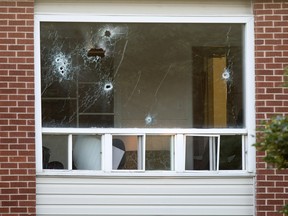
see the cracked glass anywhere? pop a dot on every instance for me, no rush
(144, 75)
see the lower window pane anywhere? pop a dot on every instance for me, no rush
(158, 153)
(55, 151)
(201, 153)
(230, 153)
(127, 152)
(87, 152)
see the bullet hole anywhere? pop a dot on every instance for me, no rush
(108, 87)
(107, 33)
(226, 74)
(61, 65)
(148, 119)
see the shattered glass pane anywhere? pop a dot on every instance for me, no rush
(145, 75)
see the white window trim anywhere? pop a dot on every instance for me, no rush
(249, 153)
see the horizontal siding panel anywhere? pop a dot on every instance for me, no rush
(147, 180)
(146, 210)
(145, 200)
(145, 196)
(146, 189)
(148, 7)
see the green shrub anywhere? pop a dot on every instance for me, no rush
(273, 139)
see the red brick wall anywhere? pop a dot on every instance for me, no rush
(17, 143)
(271, 39)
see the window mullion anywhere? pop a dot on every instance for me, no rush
(70, 147)
(142, 152)
(211, 153)
(244, 153)
(218, 152)
(172, 152)
(107, 152)
(180, 153)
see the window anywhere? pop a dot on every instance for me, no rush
(160, 97)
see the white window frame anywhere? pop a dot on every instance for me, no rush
(249, 155)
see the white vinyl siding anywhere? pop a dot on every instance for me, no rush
(145, 196)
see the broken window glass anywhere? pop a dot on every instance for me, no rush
(144, 75)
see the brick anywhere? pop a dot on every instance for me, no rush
(281, 11)
(17, 22)
(18, 210)
(27, 178)
(18, 146)
(264, 84)
(264, 23)
(26, 203)
(281, 109)
(263, 12)
(274, 90)
(282, 196)
(25, 53)
(281, 97)
(265, 196)
(272, 6)
(282, 60)
(8, 66)
(27, 165)
(25, 16)
(282, 184)
(18, 171)
(275, 202)
(273, 66)
(7, 16)
(16, 10)
(27, 190)
(9, 203)
(16, 35)
(264, 72)
(266, 97)
(16, 47)
(25, 4)
(17, 159)
(272, 17)
(24, 29)
(275, 190)
(264, 60)
(4, 210)
(26, 41)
